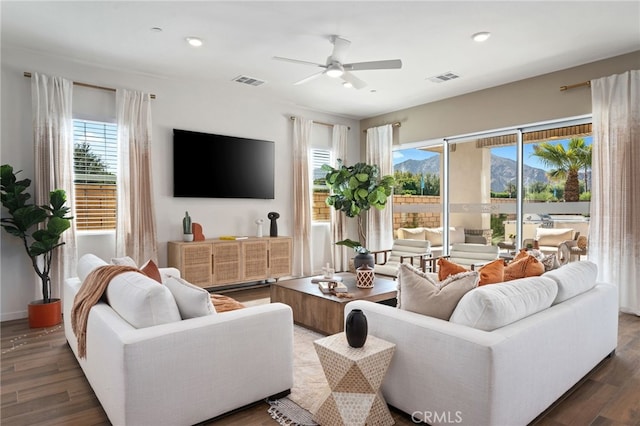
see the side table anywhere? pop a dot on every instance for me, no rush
(355, 376)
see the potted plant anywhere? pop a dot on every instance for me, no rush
(354, 190)
(40, 229)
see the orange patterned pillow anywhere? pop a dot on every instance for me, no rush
(524, 267)
(492, 272)
(447, 268)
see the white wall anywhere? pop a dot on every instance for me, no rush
(224, 107)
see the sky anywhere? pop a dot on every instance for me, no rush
(506, 152)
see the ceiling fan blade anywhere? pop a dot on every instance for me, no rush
(374, 65)
(307, 79)
(297, 61)
(355, 81)
(340, 47)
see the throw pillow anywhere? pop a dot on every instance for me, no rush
(419, 293)
(151, 270)
(525, 266)
(192, 301)
(447, 268)
(124, 261)
(550, 262)
(492, 272)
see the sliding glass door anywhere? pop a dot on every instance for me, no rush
(499, 187)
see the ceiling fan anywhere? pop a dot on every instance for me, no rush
(335, 66)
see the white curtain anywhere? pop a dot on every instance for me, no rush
(136, 228)
(302, 265)
(380, 222)
(614, 237)
(53, 141)
(339, 254)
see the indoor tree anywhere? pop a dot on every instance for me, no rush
(39, 227)
(354, 190)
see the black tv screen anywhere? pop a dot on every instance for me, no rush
(218, 166)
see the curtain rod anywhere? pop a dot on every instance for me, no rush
(92, 86)
(320, 123)
(395, 124)
(573, 86)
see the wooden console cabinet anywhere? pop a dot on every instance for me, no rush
(211, 263)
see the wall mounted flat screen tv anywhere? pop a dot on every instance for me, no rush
(217, 166)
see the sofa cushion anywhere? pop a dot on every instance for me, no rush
(88, 263)
(553, 236)
(573, 279)
(141, 301)
(523, 266)
(495, 305)
(411, 234)
(434, 235)
(192, 301)
(419, 292)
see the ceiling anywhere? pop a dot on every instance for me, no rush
(241, 38)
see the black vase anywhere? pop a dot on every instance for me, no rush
(362, 258)
(356, 328)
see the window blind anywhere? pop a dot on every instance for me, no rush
(95, 166)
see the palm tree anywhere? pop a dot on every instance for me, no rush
(565, 164)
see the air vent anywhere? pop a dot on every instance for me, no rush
(443, 77)
(248, 80)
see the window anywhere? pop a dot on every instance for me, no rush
(95, 160)
(319, 210)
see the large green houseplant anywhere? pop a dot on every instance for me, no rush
(355, 190)
(39, 227)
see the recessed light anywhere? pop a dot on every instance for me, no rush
(347, 85)
(194, 41)
(480, 37)
(156, 30)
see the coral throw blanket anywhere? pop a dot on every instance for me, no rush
(90, 293)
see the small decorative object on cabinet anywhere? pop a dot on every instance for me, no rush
(259, 223)
(364, 276)
(187, 231)
(198, 235)
(273, 216)
(356, 328)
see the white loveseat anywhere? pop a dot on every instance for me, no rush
(179, 372)
(444, 372)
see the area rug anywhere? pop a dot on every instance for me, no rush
(310, 386)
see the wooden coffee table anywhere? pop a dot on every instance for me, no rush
(324, 313)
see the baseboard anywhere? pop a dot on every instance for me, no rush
(10, 316)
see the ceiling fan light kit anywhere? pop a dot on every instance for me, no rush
(336, 68)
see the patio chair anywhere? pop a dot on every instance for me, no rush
(469, 255)
(414, 252)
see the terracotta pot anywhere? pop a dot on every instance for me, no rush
(45, 314)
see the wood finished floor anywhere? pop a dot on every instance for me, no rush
(42, 383)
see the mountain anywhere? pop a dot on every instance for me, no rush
(503, 171)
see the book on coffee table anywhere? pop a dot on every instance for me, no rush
(319, 279)
(326, 287)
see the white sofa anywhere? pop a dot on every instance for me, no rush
(445, 371)
(178, 372)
